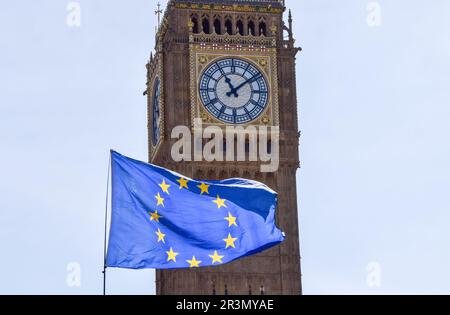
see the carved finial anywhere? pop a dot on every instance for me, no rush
(158, 12)
(291, 38)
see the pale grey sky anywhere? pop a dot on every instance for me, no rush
(375, 112)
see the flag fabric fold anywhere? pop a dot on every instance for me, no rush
(163, 220)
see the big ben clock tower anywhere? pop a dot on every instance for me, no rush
(229, 63)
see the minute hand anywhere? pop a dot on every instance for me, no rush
(252, 79)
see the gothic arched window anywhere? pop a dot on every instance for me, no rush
(205, 25)
(240, 27)
(251, 28)
(263, 28)
(217, 27)
(195, 28)
(229, 27)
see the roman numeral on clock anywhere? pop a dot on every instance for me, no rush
(222, 72)
(210, 77)
(255, 103)
(214, 101)
(255, 78)
(246, 68)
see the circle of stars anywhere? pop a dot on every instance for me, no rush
(216, 257)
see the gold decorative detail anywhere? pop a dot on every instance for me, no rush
(235, 7)
(262, 54)
(265, 120)
(274, 29)
(202, 59)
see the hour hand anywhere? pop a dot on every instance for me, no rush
(232, 89)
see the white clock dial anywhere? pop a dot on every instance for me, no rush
(234, 91)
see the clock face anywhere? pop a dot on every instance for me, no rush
(156, 112)
(234, 91)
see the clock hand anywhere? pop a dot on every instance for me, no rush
(234, 90)
(227, 80)
(253, 79)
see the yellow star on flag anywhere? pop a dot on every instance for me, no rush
(183, 183)
(165, 187)
(194, 263)
(230, 241)
(160, 200)
(204, 188)
(171, 255)
(231, 220)
(220, 202)
(161, 236)
(216, 258)
(155, 216)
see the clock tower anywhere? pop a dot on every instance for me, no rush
(229, 63)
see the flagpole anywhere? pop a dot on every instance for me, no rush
(106, 227)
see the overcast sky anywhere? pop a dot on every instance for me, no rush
(375, 110)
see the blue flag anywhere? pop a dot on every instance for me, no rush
(163, 220)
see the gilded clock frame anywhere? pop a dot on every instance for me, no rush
(202, 55)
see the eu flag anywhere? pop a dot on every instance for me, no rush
(164, 220)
